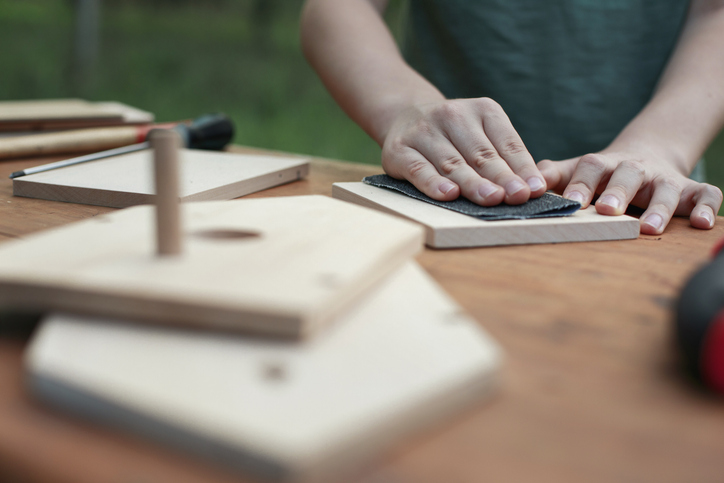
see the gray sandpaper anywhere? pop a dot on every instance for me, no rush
(546, 206)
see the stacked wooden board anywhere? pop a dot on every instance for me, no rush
(293, 338)
(53, 114)
(275, 265)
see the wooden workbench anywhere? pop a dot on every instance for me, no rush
(591, 389)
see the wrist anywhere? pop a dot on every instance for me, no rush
(648, 147)
(398, 104)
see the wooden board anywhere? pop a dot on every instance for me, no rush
(127, 180)
(47, 114)
(590, 387)
(393, 365)
(312, 259)
(448, 229)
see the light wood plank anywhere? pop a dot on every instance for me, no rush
(44, 114)
(281, 266)
(53, 109)
(398, 362)
(127, 180)
(449, 229)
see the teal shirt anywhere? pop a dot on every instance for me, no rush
(569, 73)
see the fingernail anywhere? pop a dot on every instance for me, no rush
(707, 216)
(446, 187)
(535, 183)
(611, 201)
(575, 196)
(488, 190)
(655, 221)
(514, 186)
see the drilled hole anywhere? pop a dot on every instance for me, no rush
(226, 234)
(274, 371)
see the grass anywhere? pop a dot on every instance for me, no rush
(183, 59)
(180, 59)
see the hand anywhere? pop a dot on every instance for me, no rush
(463, 146)
(640, 177)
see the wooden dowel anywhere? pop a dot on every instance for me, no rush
(166, 144)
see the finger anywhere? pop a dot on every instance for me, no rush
(452, 165)
(702, 201)
(509, 145)
(591, 170)
(409, 164)
(465, 133)
(663, 203)
(625, 182)
(558, 173)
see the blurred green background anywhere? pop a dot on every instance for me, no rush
(182, 58)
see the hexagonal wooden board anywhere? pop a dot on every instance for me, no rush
(273, 265)
(399, 361)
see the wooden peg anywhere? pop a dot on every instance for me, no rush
(166, 144)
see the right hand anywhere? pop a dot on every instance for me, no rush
(462, 146)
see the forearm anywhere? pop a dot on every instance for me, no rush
(350, 47)
(687, 109)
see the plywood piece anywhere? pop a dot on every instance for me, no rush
(282, 266)
(127, 180)
(46, 114)
(130, 114)
(448, 229)
(396, 363)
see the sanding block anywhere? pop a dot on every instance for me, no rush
(445, 228)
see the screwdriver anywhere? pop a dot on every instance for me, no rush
(210, 132)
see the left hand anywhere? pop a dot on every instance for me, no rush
(639, 177)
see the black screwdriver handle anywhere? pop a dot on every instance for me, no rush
(212, 132)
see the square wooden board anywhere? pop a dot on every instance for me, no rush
(449, 229)
(127, 180)
(312, 259)
(398, 362)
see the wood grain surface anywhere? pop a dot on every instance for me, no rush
(591, 389)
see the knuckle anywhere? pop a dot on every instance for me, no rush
(620, 191)
(483, 157)
(415, 169)
(668, 183)
(662, 209)
(449, 111)
(487, 104)
(423, 128)
(450, 165)
(514, 146)
(592, 162)
(715, 192)
(545, 164)
(635, 166)
(393, 147)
